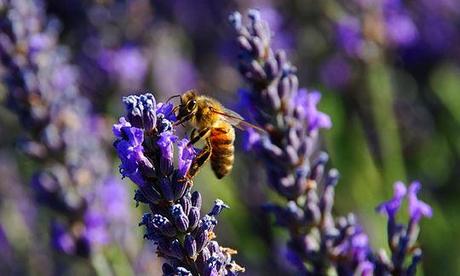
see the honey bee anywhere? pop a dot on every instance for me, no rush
(214, 123)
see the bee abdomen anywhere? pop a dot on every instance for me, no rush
(222, 152)
(222, 160)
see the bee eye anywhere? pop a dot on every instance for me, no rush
(191, 105)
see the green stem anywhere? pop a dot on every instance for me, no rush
(101, 265)
(381, 94)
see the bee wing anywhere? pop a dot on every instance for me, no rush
(235, 119)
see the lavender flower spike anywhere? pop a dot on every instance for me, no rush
(295, 169)
(145, 145)
(417, 208)
(73, 175)
(319, 243)
(392, 206)
(402, 238)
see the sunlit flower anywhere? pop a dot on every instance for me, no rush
(183, 238)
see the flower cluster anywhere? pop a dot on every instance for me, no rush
(112, 64)
(365, 31)
(438, 26)
(289, 114)
(145, 144)
(383, 23)
(74, 176)
(295, 168)
(402, 239)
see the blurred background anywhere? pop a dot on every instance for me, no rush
(389, 73)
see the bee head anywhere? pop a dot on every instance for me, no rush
(188, 106)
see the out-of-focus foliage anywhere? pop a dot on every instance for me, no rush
(388, 71)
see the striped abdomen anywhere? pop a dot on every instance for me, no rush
(222, 149)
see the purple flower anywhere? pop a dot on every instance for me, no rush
(62, 240)
(365, 268)
(402, 237)
(349, 36)
(251, 138)
(399, 26)
(219, 205)
(43, 91)
(172, 70)
(292, 120)
(319, 244)
(401, 30)
(391, 207)
(141, 111)
(129, 149)
(127, 65)
(305, 105)
(174, 224)
(114, 200)
(283, 39)
(96, 227)
(185, 155)
(166, 144)
(417, 208)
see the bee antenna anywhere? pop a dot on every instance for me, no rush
(172, 97)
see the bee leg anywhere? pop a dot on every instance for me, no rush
(199, 160)
(195, 137)
(193, 133)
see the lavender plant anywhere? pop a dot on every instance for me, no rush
(296, 170)
(145, 144)
(402, 238)
(73, 170)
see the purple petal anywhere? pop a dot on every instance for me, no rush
(166, 110)
(251, 139)
(417, 208)
(185, 155)
(116, 129)
(391, 206)
(165, 143)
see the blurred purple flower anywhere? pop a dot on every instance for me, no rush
(386, 24)
(96, 227)
(172, 71)
(349, 37)
(62, 240)
(127, 64)
(400, 28)
(281, 39)
(43, 91)
(402, 238)
(417, 208)
(114, 199)
(305, 105)
(391, 207)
